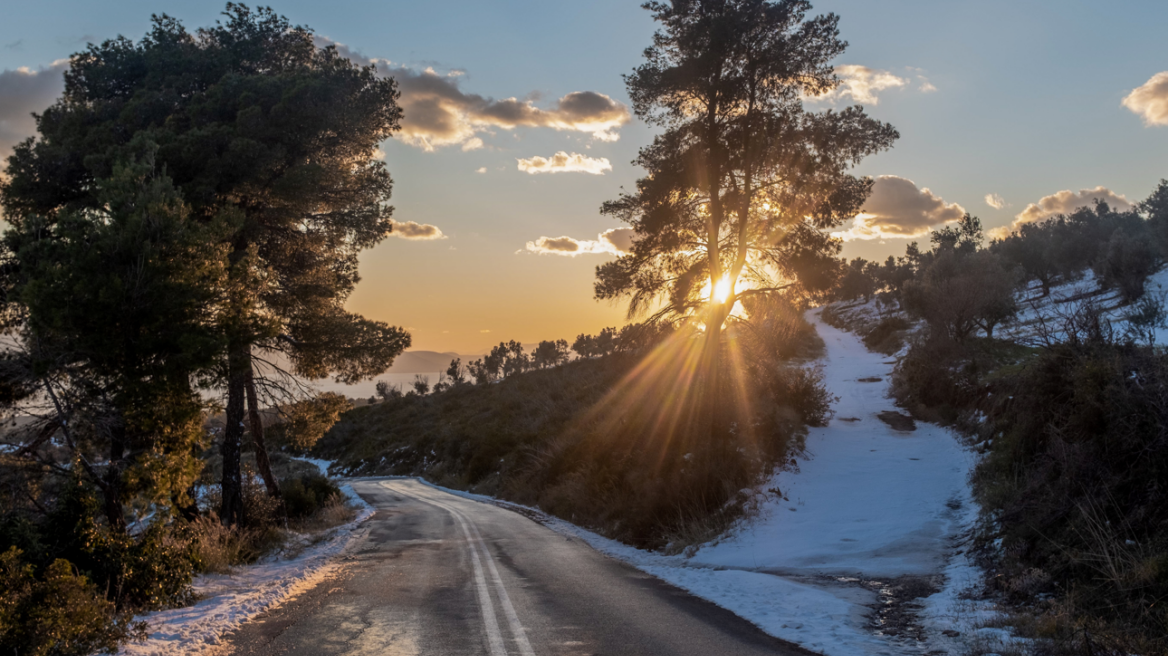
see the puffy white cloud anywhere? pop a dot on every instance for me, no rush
(897, 208)
(1150, 100)
(995, 201)
(562, 162)
(1064, 202)
(862, 84)
(436, 112)
(22, 92)
(416, 231)
(481, 169)
(617, 241)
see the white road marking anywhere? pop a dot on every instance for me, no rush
(494, 635)
(517, 629)
(478, 545)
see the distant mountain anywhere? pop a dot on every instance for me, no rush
(422, 362)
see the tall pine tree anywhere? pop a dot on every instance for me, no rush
(257, 128)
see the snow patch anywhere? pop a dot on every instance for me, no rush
(228, 601)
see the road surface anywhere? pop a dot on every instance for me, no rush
(439, 574)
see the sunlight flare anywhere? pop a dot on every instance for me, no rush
(722, 290)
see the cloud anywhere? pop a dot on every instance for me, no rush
(436, 112)
(416, 231)
(562, 162)
(897, 208)
(22, 92)
(617, 241)
(472, 144)
(1150, 100)
(861, 84)
(481, 169)
(1063, 202)
(995, 201)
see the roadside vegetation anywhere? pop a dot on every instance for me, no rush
(1068, 409)
(612, 441)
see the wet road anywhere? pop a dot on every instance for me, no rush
(439, 574)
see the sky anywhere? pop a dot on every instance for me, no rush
(517, 128)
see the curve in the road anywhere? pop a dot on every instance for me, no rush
(439, 574)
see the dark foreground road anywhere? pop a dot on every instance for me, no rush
(439, 574)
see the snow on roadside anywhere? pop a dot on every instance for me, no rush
(821, 619)
(322, 465)
(228, 601)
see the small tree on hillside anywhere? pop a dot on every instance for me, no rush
(550, 354)
(1127, 264)
(1034, 248)
(957, 294)
(386, 391)
(456, 372)
(584, 346)
(1155, 207)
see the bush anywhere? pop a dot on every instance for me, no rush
(57, 614)
(887, 336)
(307, 494)
(1072, 489)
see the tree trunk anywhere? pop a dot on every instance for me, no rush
(712, 367)
(257, 436)
(111, 491)
(238, 365)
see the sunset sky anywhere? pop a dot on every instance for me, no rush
(517, 128)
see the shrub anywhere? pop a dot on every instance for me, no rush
(307, 494)
(887, 336)
(57, 614)
(1079, 444)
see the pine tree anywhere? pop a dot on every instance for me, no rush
(743, 180)
(257, 128)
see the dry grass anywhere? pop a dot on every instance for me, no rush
(333, 513)
(220, 549)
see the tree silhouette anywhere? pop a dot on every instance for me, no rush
(550, 354)
(258, 127)
(743, 179)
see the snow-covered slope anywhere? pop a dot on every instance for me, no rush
(1065, 298)
(868, 500)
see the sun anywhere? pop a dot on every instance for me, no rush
(722, 290)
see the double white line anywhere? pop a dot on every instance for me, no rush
(480, 554)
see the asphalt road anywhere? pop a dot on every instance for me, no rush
(438, 574)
